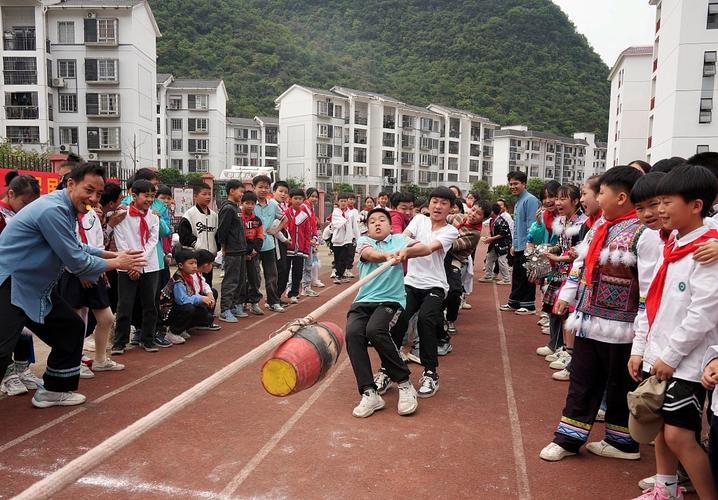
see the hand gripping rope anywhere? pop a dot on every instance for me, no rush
(81, 465)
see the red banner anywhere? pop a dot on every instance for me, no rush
(48, 180)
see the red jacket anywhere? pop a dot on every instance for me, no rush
(312, 217)
(299, 228)
(398, 222)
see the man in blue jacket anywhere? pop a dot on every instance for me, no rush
(37, 244)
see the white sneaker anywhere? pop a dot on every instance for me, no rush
(407, 399)
(544, 351)
(334, 273)
(293, 300)
(110, 366)
(603, 449)
(427, 385)
(45, 399)
(553, 453)
(89, 344)
(601, 417)
(85, 371)
(545, 330)
(561, 375)
(310, 293)
(562, 362)
(318, 284)
(30, 380)
(556, 354)
(465, 305)
(175, 339)
(348, 274)
(12, 385)
(370, 402)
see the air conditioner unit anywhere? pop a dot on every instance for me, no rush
(91, 156)
(91, 15)
(58, 83)
(64, 148)
(391, 180)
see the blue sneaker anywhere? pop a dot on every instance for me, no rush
(227, 317)
(238, 311)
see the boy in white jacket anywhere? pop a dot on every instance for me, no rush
(342, 236)
(682, 314)
(140, 230)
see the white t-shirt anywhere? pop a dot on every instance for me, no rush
(428, 272)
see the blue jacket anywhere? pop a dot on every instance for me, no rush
(36, 245)
(524, 216)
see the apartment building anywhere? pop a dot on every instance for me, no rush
(376, 142)
(78, 75)
(683, 80)
(630, 80)
(191, 124)
(546, 156)
(253, 142)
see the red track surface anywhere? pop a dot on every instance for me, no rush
(471, 440)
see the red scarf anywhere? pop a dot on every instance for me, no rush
(81, 229)
(144, 228)
(190, 282)
(548, 221)
(593, 218)
(465, 223)
(599, 239)
(671, 254)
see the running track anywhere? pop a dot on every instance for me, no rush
(479, 437)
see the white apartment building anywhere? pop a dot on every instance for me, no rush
(683, 83)
(630, 80)
(78, 75)
(546, 156)
(191, 124)
(375, 142)
(253, 142)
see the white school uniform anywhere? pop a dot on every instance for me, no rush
(428, 272)
(341, 228)
(127, 237)
(649, 249)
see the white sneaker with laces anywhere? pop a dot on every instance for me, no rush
(348, 274)
(293, 300)
(30, 380)
(89, 344)
(428, 385)
(370, 402)
(562, 362)
(318, 284)
(561, 375)
(109, 365)
(465, 305)
(603, 449)
(45, 399)
(12, 385)
(407, 399)
(85, 371)
(310, 293)
(553, 453)
(556, 354)
(544, 351)
(175, 339)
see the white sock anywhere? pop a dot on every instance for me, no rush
(670, 482)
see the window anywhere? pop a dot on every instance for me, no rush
(51, 136)
(20, 70)
(453, 178)
(709, 63)
(176, 163)
(198, 101)
(103, 138)
(241, 133)
(323, 151)
(66, 68)
(706, 112)
(453, 148)
(427, 124)
(175, 102)
(198, 165)
(271, 151)
(241, 161)
(712, 21)
(241, 149)
(66, 32)
(101, 70)
(198, 145)
(473, 165)
(159, 127)
(323, 131)
(22, 135)
(101, 31)
(338, 112)
(68, 135)
(176, 124)
(407, 121)
(254, 134)
(197, 124)
(322, 108)
(254, 149)
(176, 145)
(68, 103)
(702, 148)
(360, 155)
(159, 148)
(407, 158)
(102, 104)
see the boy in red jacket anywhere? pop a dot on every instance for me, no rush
(299, 228)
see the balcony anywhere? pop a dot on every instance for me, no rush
(388, 142)
(21, 112)
(454, 134)
(271, 139)
(388, 160)
(389, 122)
(19, 39)
(23, 135)
(360, 119)
(407, 176)
(22, 77)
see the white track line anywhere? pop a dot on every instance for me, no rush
(257, 459)
(522, 476)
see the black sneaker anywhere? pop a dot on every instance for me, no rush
(428, 384)
(150, 347)
(136, 338)
(161, 341)
(382, 381)
(117, 350)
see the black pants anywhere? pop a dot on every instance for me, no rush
(597, 368)
(295, 265)
(184, 317)
(208, 277)
(372, 322)
(555, 322)
(456, 289)
(428, 303)
(268, 259)
(349, 263)
(146, 289)
(282, 268)
(340, 258)
(523, 292)
(249, 293)
(235, 278)
(62, 330)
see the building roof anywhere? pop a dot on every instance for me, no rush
(361, 93)
(640, 50)
(603, 145)
(457, 111)
(510, 132)
(268, 120)
(419, 109)
(311, 90)
(195, 84)
(104, 4)
(245, 122)
(163, 77)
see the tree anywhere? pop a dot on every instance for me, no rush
(193, 179)
(294, 183)
(171, 177)
(483, 190)
(502, 192)
(535, 187)
(17, 158)
(342, 187)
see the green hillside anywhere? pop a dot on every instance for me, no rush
(514, 61)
